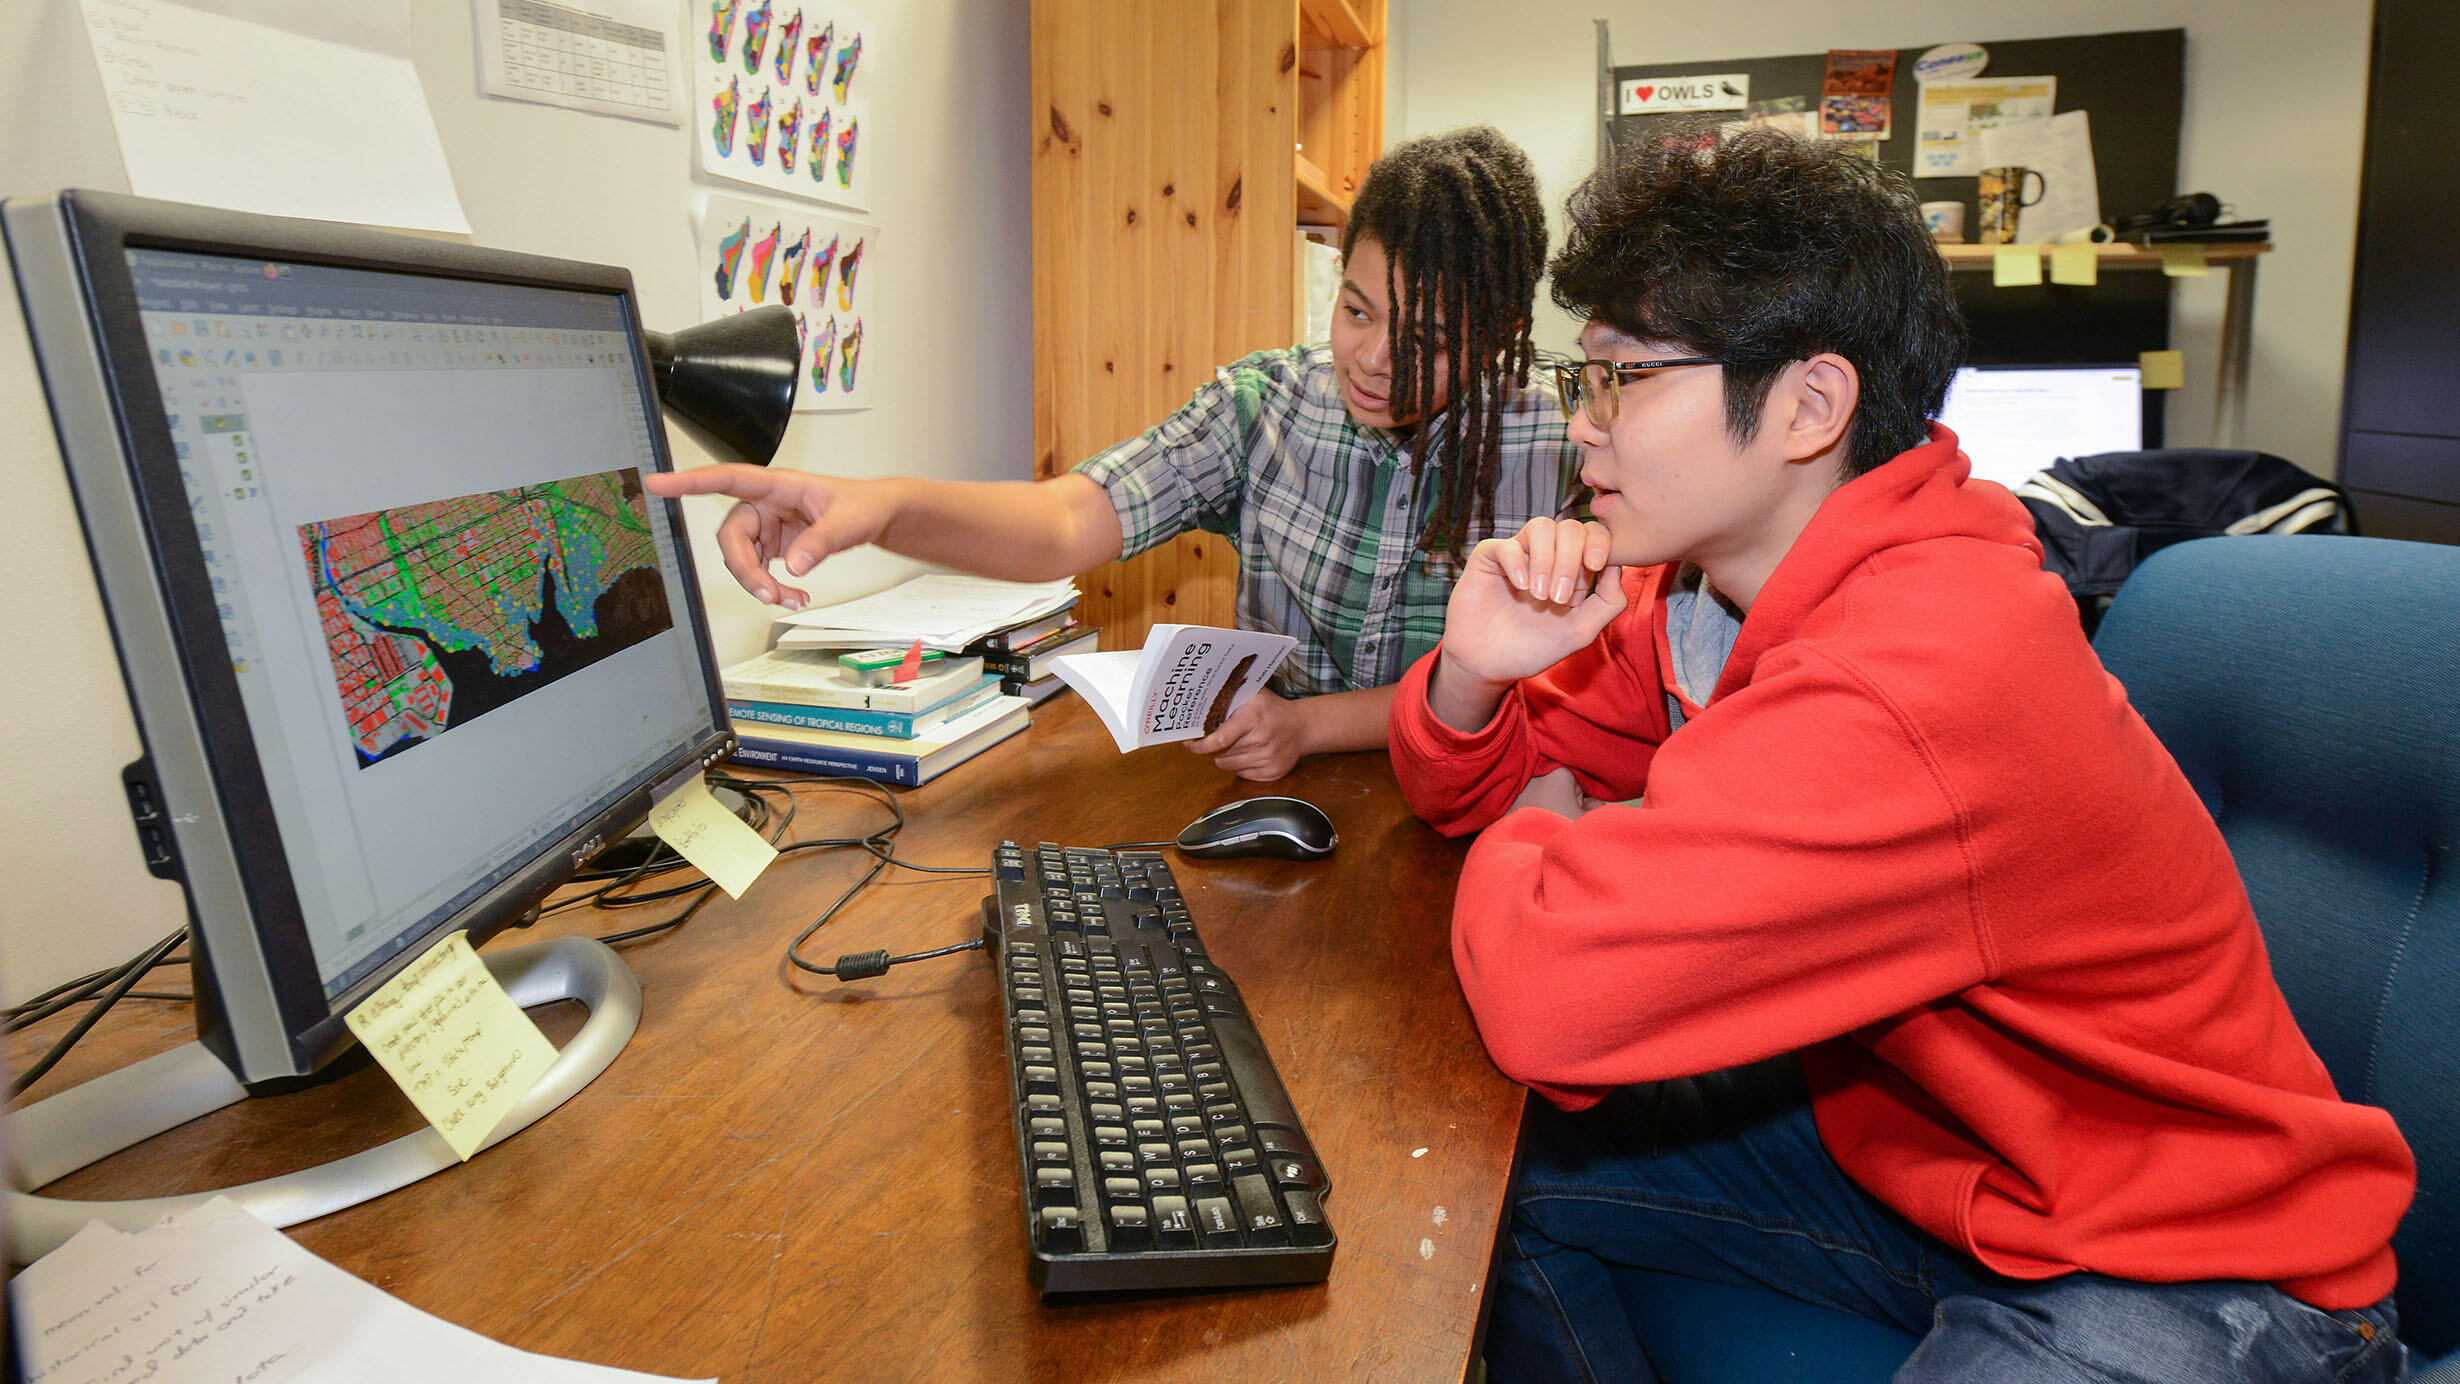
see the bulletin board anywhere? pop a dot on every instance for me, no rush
(2134, 85)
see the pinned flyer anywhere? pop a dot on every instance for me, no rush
(456, 1044)
(716, 841)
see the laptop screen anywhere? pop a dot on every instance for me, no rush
(2014, 420)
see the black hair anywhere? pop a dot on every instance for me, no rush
(1464, 237)
(1763, 249)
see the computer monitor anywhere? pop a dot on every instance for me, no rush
(404, 637)
(2014, 420)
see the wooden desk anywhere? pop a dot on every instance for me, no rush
(788, 1179)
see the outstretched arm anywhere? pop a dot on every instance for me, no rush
(1014, 530)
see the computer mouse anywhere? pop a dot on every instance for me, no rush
(1285, 828)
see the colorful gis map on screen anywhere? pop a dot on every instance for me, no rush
(438, 613)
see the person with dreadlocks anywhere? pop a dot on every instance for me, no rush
(1351, 478)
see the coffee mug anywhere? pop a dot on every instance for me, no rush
(2001, 200)
(1946, 221)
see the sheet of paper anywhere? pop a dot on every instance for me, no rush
(607, 57)
(2014, 266)
(2061, 150)
(2163, 369)
(2184, 261)
(716, 841)
(274, 106)
(943, 609)
(1950, 117)
(753, 253)
(2075, 264)
(217, 1294)
(454, 1041)
(781, 97)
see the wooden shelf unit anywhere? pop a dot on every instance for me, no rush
(1176, 148)
(1340, 104)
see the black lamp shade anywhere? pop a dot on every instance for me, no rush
(732, 380)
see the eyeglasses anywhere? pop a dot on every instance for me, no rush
(1599, 383)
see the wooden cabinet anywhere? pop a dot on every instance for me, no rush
(2400, 425)
(1168, 183)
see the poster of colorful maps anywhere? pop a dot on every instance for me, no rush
(780, 96)
(752, 253)
(437, 613)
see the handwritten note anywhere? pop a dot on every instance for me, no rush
(2075, 264)
(715, 840)
(2015, 266)
(454, 1041)
(2184, 261)
(216, 1294)
(274, 106)
(2163, 369)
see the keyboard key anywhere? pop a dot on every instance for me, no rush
(1307, 1225)
(1131, 1228)
(1258, 1212)
(1055, 1186)
(1174, 1227)
(1218, 1223)
(1063, 1232)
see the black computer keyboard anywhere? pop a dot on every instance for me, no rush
(1158, 1148)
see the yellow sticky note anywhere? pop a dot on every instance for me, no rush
(454, 1041)
(2015, 266)
(2163, 369)
(2075, 264)
(715, 840)
(2184, 261)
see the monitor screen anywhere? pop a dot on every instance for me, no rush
(2016, 420)
(430, 635)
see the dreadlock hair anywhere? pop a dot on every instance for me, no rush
(1763, 249)
(1464, 238)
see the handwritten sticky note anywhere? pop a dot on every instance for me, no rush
(701, 830)
(2075, 264)
(454, 1041)
(2163, 369)
(2184, 261)
(2015, 266)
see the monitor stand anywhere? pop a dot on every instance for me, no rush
(58, 1135)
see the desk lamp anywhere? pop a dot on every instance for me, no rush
(730, 382)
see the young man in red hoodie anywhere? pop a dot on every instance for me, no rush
(1865, 943)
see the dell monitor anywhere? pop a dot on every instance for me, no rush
(2014, 420)
(404, 637)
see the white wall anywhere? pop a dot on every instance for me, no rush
(952, 199)
(2275, 123)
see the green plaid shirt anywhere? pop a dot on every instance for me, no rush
(1325, 513)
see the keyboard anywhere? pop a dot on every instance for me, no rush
(1157, 1147)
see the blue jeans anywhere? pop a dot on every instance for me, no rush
(1723, 1178)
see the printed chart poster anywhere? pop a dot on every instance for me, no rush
(752, 253)
(1853, 96)
(436, 614)
(780, 88)
(1952, 115)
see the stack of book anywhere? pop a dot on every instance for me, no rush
(1021, 654)
(799, 709)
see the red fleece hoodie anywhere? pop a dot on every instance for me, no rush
(1918, 836)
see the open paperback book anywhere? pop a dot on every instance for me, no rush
(1184, 683)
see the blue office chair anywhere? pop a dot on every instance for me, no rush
(2310, 688)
